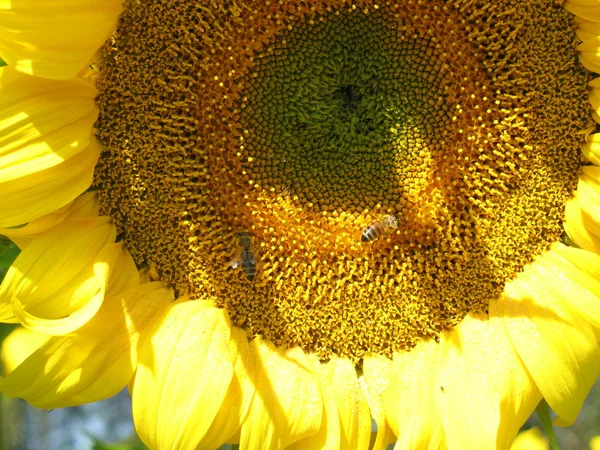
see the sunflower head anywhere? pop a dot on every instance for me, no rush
(356, 205)
(391, 165)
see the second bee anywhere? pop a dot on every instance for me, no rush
(376, 229)
(247, 257)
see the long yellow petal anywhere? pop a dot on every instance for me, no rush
(481, 380)
(44, 124)
(352, 404)
(97, 361)
(54, 38)
(58, 274)
(287, 404)
(236, 404)
(517, 390)
(377, 372)
(466, 395)
(329, 435)
(85, 206)
(409, 400)
(587, 275)
(183, 375)
(31, 196)
(558, 348)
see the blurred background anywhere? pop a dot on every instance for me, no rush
(107, 425)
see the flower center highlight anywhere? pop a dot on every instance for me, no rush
(249, 147)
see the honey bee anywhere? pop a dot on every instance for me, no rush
(247, 257)
(376, 229)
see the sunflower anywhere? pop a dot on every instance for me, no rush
(277, 222)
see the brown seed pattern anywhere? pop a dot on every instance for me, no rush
(303, 122)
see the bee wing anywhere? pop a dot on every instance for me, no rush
(249, 258)
(390, 221)
(253, 258)
(235, 263)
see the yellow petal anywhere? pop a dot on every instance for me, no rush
(409, 400)
(377, 375)
(580, 226)
(558, 348)
(54, 38)
(351, 401)
(482, 381)
(466, 395)
(287, 405)
(85, 206)
(236, 404)
(59, 274)
(183, 375)
(586, 29)
(31, 196)
(588, 192)
(532, 439)
(582, 268)
(95, 362)
(17, 347)
(329, 435)
(44, 124)
(594, 99)
(518, 393)
(589, 52)
(587, 9)
(124, 275)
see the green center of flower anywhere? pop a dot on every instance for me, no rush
(340, 103)
(349, 179)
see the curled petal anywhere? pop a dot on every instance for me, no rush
(63, 273)
(95, 362)
(85, 206)
(46, 144)
(287, 405)
(183, 376)
(124, 275)
(34, 195)
(17, 347)
(54, 38)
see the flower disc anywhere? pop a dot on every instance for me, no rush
(277, 132)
